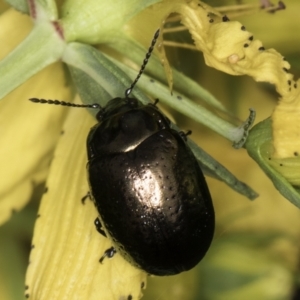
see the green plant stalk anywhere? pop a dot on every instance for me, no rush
(42, 47)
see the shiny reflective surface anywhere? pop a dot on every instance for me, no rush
(149, 190)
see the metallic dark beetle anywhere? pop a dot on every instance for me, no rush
(151, 195)
(149, 190)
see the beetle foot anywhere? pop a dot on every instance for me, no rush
(99, 227)
(185, 134)
(88, 195)
(108, 253)
(155, 102)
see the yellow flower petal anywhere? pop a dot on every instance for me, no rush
(14, 28)
(289, 168)
(286, 122)
(227, 46)
(64, 263)
(21, 125)
(26, 150)
(25, 153)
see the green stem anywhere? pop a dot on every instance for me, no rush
(130, 48)
(41, 47)
(187, 107)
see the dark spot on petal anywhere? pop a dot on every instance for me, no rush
(295, 85)
(211, 20)
(243, 28)
(38, 215)
(281, 5)
(280, 165)
(251, 38)
(45, 190)
(289, 82)
(296, 153)
(62, 132)
(26, 287)
(26, 295)
(32, 247)
(285, 70)
(225, 19)
(142, 285)
(246, 45)
(261, 48)
(129, 297)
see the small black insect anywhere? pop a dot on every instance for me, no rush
(151, 195)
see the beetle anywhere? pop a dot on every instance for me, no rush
(149, 190)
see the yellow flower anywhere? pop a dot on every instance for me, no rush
(48, 143)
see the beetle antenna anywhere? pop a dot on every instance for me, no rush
(63, 103)
(145, 61)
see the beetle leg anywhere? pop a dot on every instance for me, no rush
(185, 134)
(99, 227)
(88, 195)
(155, 102)
(108, 253)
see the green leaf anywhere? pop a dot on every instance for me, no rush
(186, 106)
(259, 147)
(214, 169)
(130, 48)
(93, 21)
(20, 5)
(44, 9)
(41, 47)
(98, 79)
(38, 8)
